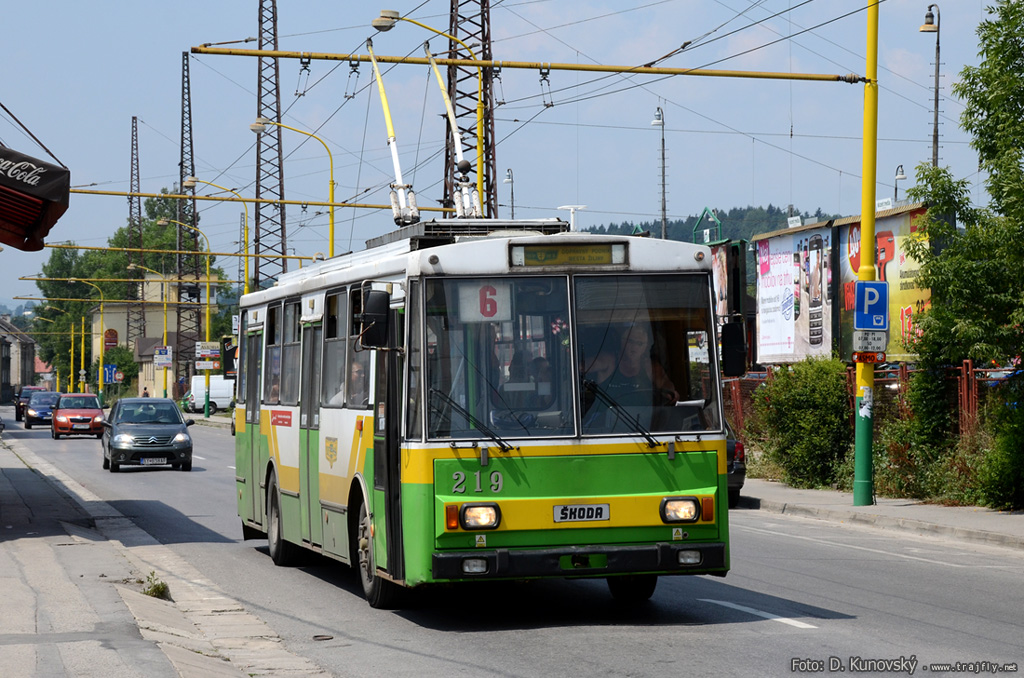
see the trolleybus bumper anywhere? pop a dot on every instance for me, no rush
(666, 558)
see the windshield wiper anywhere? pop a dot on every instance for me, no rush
(505, 447)
(619, 411)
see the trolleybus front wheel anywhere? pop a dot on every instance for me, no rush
(380, 593)
(633, 588)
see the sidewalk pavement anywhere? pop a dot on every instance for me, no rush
(966, 523)
(72, 569)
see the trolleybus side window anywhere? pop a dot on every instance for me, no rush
(335, 348)
(414, 359)
(358, 387)
(241, 373)
(272, 363)
(290, 355)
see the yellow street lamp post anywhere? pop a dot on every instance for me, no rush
(190, 182)
(102, 340)
(71, 366)
(209, 301)
(260, 126)
(385, 22)
(163, 282)
(81, 362)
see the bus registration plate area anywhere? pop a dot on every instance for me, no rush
(581, 513)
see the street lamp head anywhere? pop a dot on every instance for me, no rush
(508, 176)
(386, 21)
(260, 126)
(900, 176)
(190, 182)
(929, 25)
(131, 267)
(163, 222)
(659, 118)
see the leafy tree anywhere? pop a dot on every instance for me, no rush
(974, 259)
(54, 336)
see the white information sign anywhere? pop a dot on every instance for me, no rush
(870, 341)
(481, 302)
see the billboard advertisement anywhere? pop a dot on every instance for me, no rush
(894, 266)
(794, 295)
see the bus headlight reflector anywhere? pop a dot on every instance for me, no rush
(474, 566)
(480, 516)
(689, 557)
(680, 509)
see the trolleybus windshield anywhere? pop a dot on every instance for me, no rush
(510, 357)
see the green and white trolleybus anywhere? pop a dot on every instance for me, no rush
(482, 399)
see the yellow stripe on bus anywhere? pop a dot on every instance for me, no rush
(418, 463)
(633, 511)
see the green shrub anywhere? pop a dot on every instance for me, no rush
(803, 420)
(1001, 473)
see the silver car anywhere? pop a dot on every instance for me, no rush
(146, 432)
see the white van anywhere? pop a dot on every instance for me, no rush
(222, 393)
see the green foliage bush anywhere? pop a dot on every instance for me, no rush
(802, 420)
(1001, 476)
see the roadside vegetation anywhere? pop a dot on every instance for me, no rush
(972, 259)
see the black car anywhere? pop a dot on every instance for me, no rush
(39, 409)
(146, 432)
(736, 465)
(22, 400)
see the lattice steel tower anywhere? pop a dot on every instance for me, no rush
(471, 23)
(269, 232)
(136, 310)
(189, 266)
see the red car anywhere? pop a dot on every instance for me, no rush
(77, 414)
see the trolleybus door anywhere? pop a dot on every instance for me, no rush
(309, 434)
(386, 443)
(253, 393)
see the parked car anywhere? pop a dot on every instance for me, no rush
(222, 393)
(39, 409)
(77, 414)
(146, 432)
(22, 400)
(736, 465)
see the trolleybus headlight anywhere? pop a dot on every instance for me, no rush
(680, 509)
(479, 516)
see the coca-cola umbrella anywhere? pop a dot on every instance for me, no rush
(33, 196)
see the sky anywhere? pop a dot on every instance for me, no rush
(78, 72)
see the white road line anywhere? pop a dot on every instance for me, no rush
(759, 613)
(196, 456)
(849, 546)
(231, 467)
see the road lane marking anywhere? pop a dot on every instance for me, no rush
(196, 456)
(848, 546)
(759, 613)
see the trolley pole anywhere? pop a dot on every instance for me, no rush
(863, 482)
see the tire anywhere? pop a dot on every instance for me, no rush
(380, 593)
(106, 463)
(213, 407)
(17, 415)
(53, 433)
(633, 588)
(28, 425)
(114, 468)
(187, 465)
(281, 552)
(99, 436)
(734, 498)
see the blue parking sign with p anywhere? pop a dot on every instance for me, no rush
(871, 305)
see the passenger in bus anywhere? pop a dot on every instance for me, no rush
(358, 386)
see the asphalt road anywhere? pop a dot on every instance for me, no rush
(803, 595)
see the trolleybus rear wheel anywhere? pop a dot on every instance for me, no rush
(281, 552)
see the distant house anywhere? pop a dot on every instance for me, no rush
(45, 374)
(17, 359)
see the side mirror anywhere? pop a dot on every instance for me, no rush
(106, 424)
(190, 422)
(374, 319)
(734, 349)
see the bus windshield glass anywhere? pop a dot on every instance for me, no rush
(508, 357)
